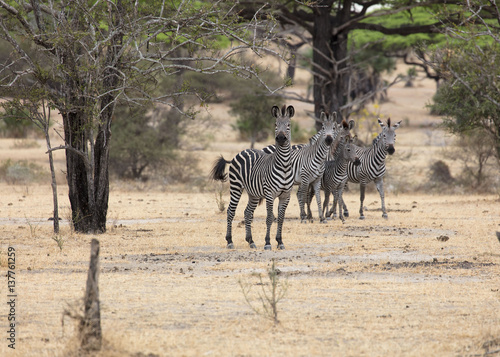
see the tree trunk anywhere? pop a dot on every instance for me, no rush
(77, 172)
(329, 60)
(87, 161)
(53, 183)
(322, 62)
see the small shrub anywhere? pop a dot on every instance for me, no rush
(21, 172)
(219, 196)
(270, 296)
(59, 241)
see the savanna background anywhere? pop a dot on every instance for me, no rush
(423, 282)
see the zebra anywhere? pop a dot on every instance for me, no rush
(335, 176)
(263, 176)
(342, 134)
(308, 163)
(372, 167)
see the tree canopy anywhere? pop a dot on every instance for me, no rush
(84, 57)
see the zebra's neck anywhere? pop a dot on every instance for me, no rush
(319, 146)
(378, 146)
(283, 155)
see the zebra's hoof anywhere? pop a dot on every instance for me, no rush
(385, 216)
(281, 246)
(267, 247)
(346, 214)
(230, 246)
(253, 245)
(322, 221)
(361, 217)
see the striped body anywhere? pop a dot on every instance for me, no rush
(308, 163)
(372, 164)
(335, 176)
(263, 176)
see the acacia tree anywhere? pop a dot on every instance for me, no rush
(88, 55)
(469, 64)
(327, 25)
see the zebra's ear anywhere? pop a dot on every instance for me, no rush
(334, 116)
(395, 126)
(275, 111)
(345, 125)
(352, 124)
(323, 117)
(381, 123)
(291, 111)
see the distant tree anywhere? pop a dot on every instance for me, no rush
(469, 64)
(252, 112)
(13, 123)
(88, 56)
(328, 26)
(36, 112)
(138, 143)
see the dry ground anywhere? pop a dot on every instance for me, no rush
(425, 282)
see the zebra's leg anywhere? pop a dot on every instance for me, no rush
(346, 211)
(326, 202)
(339, 192)
(231, 209)
(282, 205)
(361, 199)
(310, 194)
(317, 190)
(302, 197)
(379, 183)
(333, 210)
(269, 221)
(249, 210)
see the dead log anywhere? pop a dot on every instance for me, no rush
(90, 325)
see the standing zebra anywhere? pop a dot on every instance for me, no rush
(372, 167)
(335, 176)
(308, 163)
(262, 175)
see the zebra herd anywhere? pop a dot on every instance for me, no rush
(327, 163)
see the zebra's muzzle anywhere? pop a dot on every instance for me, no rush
(391, 150)
(281, 139)
(329, 140)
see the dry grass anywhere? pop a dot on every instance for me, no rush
(169, 287)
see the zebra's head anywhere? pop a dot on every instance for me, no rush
(282, 131)
(342, 131)
(388, 134)
(328, 128)
(350, 150)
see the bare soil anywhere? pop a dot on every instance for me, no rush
(424, 282)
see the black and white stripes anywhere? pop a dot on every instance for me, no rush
(263, 176)
(372, 166)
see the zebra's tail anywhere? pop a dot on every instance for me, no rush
(218, 171)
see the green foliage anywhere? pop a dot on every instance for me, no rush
(392, 43)
(15, 123)
(254, 121)
(469, 101)
(142, 140)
